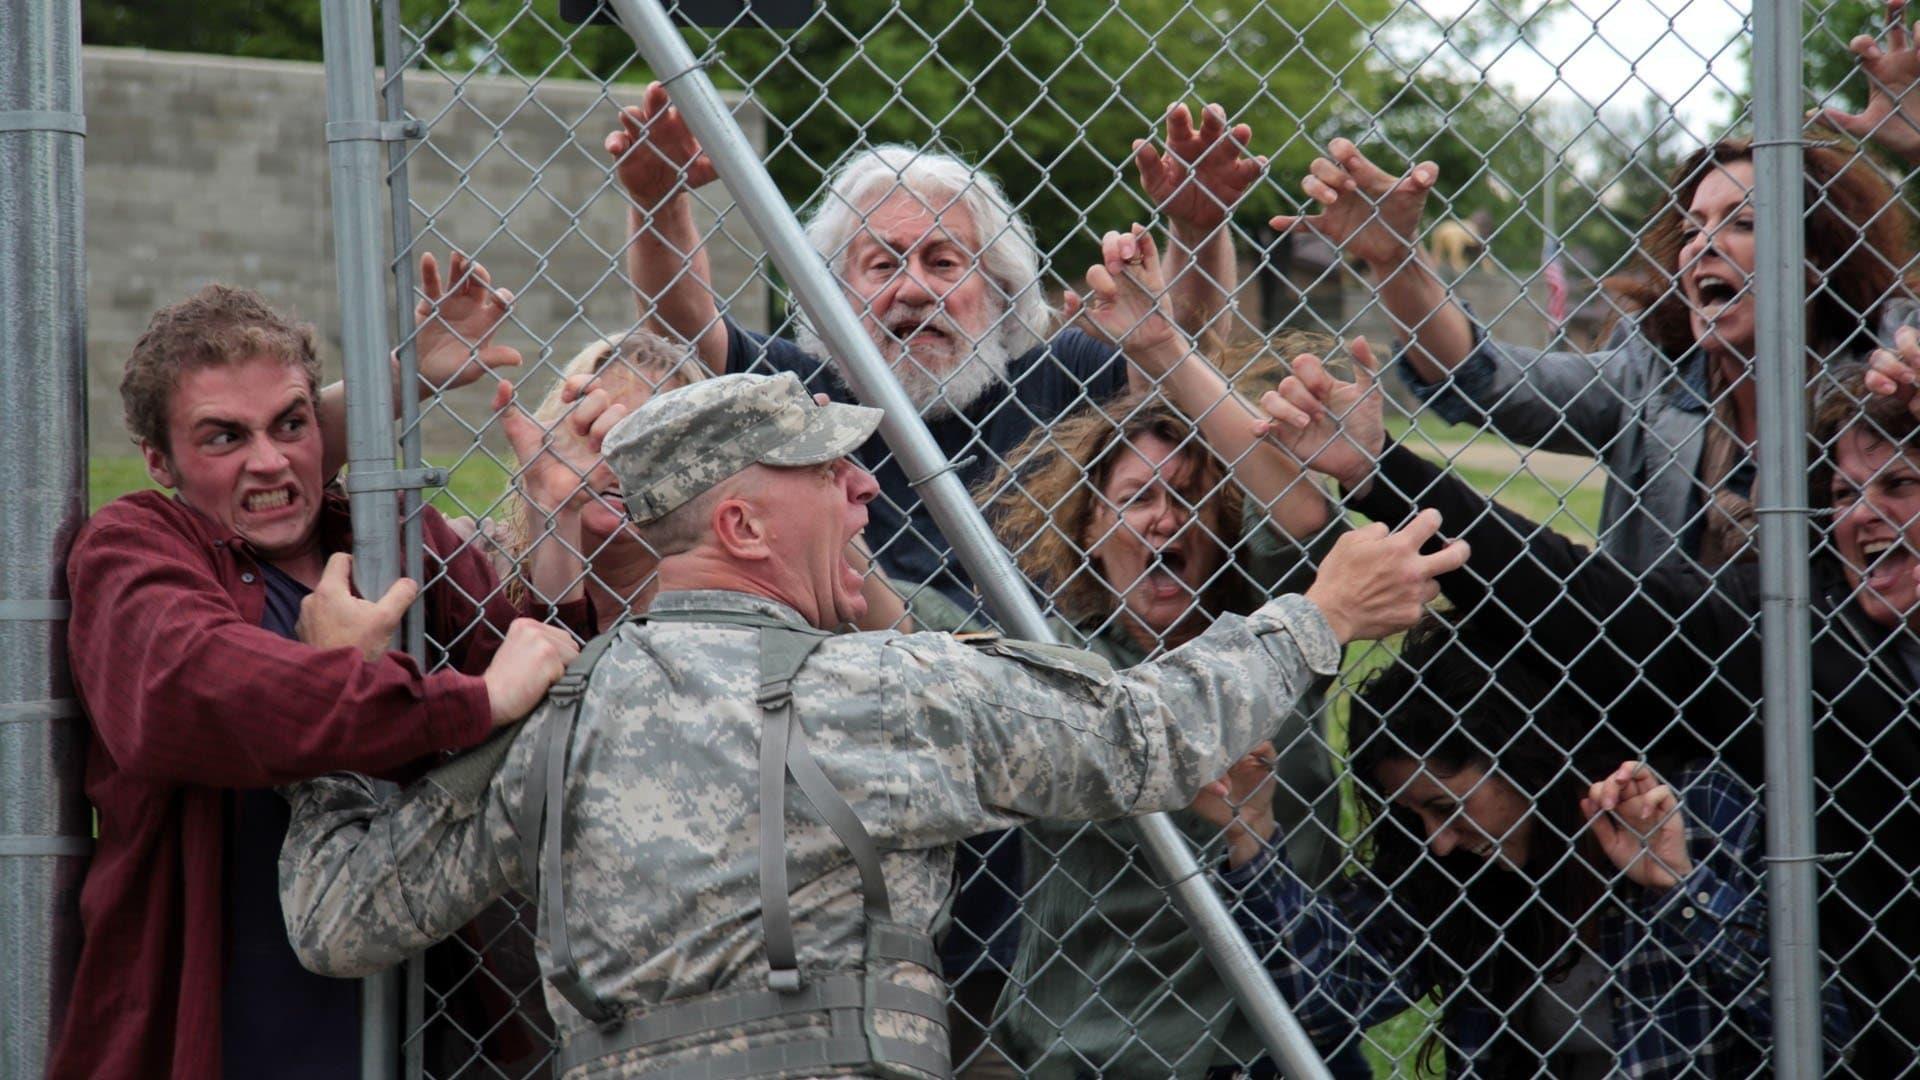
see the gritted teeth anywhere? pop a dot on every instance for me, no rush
(269, 500)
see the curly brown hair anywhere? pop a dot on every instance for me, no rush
(1042, 501)
(216, 326)
(1858, 236)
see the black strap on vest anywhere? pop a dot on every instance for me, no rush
(542, 811)
(849, 999)
(845, 998)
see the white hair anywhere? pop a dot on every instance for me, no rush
(1009, 257)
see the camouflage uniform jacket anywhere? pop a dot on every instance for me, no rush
(928, 738)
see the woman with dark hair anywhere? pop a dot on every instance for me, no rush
(1672, 656)
(1668, 405)
(1561, 938)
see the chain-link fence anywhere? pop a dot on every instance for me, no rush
(1552, 224)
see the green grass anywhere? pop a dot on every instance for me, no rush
(1573, 512)
(1427, 423)
(474, 487)
(108, 478)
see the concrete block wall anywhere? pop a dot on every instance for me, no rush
(203, 168)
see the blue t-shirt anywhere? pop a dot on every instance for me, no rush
(1043, 384)
(273, 1010)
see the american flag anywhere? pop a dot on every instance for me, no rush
(1556, 284)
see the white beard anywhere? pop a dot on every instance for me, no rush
(937, 395)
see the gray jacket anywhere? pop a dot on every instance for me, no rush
(928, 738)
(1643, 415)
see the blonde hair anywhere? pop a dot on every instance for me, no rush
(620, 364)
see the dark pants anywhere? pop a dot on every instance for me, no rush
(969, 1017)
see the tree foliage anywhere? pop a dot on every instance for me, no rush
(1048, 96)
(268, 29)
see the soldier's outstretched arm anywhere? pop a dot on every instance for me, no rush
(1037, 731)
(1043, 731)
(365, 882)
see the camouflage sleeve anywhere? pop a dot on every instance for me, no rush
(1024, 731)
(366, 882)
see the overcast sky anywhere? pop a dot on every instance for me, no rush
(1619, 53)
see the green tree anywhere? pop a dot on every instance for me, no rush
(269, 29)
(1049, 97)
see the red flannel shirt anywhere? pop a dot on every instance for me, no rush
(188, 696)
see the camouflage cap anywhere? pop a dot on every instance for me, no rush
(685, 441)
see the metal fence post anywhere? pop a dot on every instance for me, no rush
(974, 544)
(44, 821)
(1780, 367)
(358, 168)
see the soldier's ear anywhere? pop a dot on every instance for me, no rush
(740, 530)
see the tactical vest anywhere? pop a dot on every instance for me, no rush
(849, 998)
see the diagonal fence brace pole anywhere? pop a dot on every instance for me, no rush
(993, 571)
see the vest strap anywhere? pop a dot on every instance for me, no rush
(902, 944)
(543, 812)
(807, 1057)
(849, 1001)
(781, 654)
(824, 994)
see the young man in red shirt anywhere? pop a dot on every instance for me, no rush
(219, 651)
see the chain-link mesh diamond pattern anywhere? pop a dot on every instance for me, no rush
(1510, 203)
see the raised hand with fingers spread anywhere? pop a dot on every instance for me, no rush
(1196, 181)
(654, 153)
(331, 617)
(1202, 174)
(570, 496)
(1895, 372)
(1892, 115)
(561, 468)
(458, 321)
(1333, 427)
(1365, 211)
(454, 345)
(1125, 302)
(659, 162)
(1637, 821)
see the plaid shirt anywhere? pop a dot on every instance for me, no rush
(1688, 990)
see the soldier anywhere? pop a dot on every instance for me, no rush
(698, 919)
